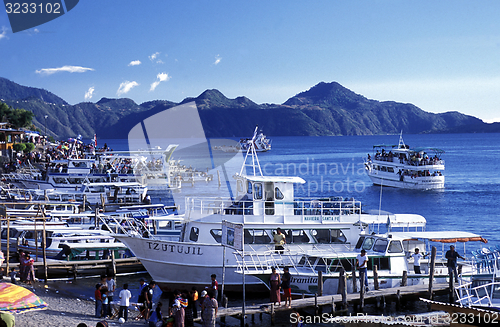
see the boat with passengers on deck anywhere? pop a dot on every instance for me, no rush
(404, 167)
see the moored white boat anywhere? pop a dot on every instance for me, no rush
(390, 252)
(404, 167)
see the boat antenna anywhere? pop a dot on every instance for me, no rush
(255, 164)
(401, 144)
(380, 204)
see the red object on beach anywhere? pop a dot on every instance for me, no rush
(17, 299)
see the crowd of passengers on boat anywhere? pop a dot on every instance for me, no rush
(415, 160)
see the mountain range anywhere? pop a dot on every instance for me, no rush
(324, 109)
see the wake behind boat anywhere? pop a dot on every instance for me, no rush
(404, 167)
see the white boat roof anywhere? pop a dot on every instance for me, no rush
(395, 220)
(440, 236)
(283, 179)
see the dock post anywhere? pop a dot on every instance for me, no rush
(113, 262)
(398, 300)
(272, 314)
(354, 284)
(96, 217)
(316, 309)
(375, 278)
(431, 270)
(404, 280)
(44, 240)
(224, 304)
(451, 296)
(320, 283)
(8, 244)
(362, 290)
(343, 288)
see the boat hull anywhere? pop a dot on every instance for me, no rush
(431, 183)
(179, 265)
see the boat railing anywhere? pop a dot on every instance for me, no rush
(480, 295)
(486, 261)
(151, 228)
(260, 261)
(306, 210)
(263, 260)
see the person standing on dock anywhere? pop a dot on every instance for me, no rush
(275, 282)
(416, 260)
(452, 256)
(279, 241)
(362, 264)
(285, 285)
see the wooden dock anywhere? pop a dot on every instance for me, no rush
(333, 301)
(63, 268)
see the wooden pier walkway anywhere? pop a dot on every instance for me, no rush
(330, 300)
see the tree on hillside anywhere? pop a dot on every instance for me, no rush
(17, 117)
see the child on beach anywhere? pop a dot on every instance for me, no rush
(13, 275)
(98, 300)
(105, 301)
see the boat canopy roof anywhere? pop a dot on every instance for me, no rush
(440, 236)
(395, 220)
(436, 150)
(275, 179)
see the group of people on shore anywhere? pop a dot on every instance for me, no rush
(183, 309)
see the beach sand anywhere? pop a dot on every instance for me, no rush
(66, 308)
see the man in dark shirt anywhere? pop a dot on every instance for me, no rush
(285, 285)
(452, 256)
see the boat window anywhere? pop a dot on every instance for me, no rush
(367, 245)
(216, 234)
(194, 234)
(296, 236)
(322, 236)
(360, 242)
(383, 168)
(381, 262)
(249, 187)
(380, 245)
(278, 194)
(337, 236)
(390, 169)
(395, 247)
(239, 185)
(256, 236)
(258, 191)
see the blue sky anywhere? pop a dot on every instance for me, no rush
(439, 55)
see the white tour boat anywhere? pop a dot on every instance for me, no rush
(390, 252)
(404, 167)
(259, 141)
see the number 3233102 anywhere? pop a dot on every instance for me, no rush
(33, 8)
